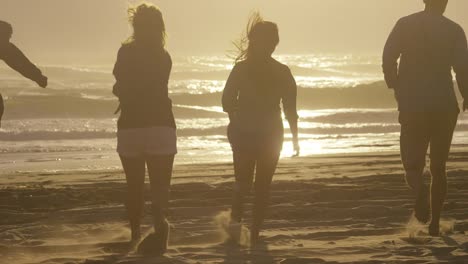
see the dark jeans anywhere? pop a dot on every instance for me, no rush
(160, 173)
(419, 131)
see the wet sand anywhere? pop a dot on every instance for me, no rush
(325, 209)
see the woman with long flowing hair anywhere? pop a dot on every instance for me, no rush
(146, 128)
(252, 97)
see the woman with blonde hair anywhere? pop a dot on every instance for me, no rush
(146, 126)
(254, 91)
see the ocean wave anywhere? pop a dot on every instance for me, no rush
(54, 135)
(311, 70)
(317, 129)
(23, 103)
(345, 116)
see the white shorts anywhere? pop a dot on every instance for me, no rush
(140, 142)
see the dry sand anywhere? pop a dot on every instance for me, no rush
(328, 209)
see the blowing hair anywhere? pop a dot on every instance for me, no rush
(257, 30)
(6, 29)
(148, 25)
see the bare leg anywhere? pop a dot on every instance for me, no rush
(413, 149)
(266, 167)
(135, 174)
(414, 142)
(438, 194)
(244, 168)
(160, 173)
(415, 180)
(443, 127)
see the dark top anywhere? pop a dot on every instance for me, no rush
(14, 58)
(254, 92)
(428, 46)
(142, 78)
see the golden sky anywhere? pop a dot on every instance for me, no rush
(90, 31)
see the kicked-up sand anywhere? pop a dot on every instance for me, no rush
(324, 209)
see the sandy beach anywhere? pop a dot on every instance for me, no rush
(325, 209)
(88, 87)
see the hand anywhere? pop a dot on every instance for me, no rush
(297, 147)
(43, 81)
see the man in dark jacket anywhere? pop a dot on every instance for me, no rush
(429, 46)
(14, 58)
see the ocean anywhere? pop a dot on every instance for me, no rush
(343, 103)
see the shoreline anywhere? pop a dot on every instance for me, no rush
(184, 173)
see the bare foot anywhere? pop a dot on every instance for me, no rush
(422, 208)
(234, 230)
(136, 234)
(254, 236)
(434, 229)
(155, 244)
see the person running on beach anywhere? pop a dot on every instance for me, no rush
(252, 96)
(428, 45)
(14, 58)
(146, 128)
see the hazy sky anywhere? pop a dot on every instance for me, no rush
(90, 31)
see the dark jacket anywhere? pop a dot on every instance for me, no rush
(429, 46)
(254, 92)
(142, 78)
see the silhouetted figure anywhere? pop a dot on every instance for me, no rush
(14, 58)
(146, 127)
(428, 45)
(254, 91)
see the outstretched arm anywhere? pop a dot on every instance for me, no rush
(14, 58)
(290, 110)
(391, 54)
(460, 66)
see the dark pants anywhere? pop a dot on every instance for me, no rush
(160, 173)
(419, 131)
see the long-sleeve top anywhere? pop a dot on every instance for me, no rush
(142, 77)
(255, 90)
(428, 46)
(14, 58)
